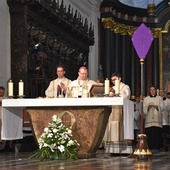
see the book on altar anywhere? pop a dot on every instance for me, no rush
(97, 90)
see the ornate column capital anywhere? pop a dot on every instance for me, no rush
(107, 22)
(156, 32)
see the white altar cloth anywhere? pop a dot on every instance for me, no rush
(12, 112)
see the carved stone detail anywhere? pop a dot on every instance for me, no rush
(125, 29)
(65, 38)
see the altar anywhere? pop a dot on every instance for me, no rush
(87, 117)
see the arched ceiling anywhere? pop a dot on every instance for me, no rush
(140, 3)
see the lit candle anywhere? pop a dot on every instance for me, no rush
(10, 88)
(106, 86)
(21, 88)
(117, 86)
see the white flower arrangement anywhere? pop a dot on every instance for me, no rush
(56, 142)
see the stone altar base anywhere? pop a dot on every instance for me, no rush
(88, 124)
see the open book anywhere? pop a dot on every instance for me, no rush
(97, 90)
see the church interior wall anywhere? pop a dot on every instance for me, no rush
(5, 62)
(87, 9)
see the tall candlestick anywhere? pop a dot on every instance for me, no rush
(10, 88)
(106, 86)
(117, 86)
(21, 88)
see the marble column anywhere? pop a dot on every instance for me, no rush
(133, 73)
(155, 63)
(107, 52)
(118, 57)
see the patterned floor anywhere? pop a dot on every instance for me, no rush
(103, 161)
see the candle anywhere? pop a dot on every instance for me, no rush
(10, 88)
(80, 91)
(117, 86)
(21, 88)
(106, 86)
(75, 92)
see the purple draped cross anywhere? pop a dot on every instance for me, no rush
(142, 39)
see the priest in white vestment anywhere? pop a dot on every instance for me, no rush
(81, 86)
(58, 87)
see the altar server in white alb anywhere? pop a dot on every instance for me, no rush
(116, 131)
(153, 107)
(165, 113)
(124, 89)
(81, 86)
(58, 87)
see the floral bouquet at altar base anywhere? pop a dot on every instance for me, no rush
(56, 142)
